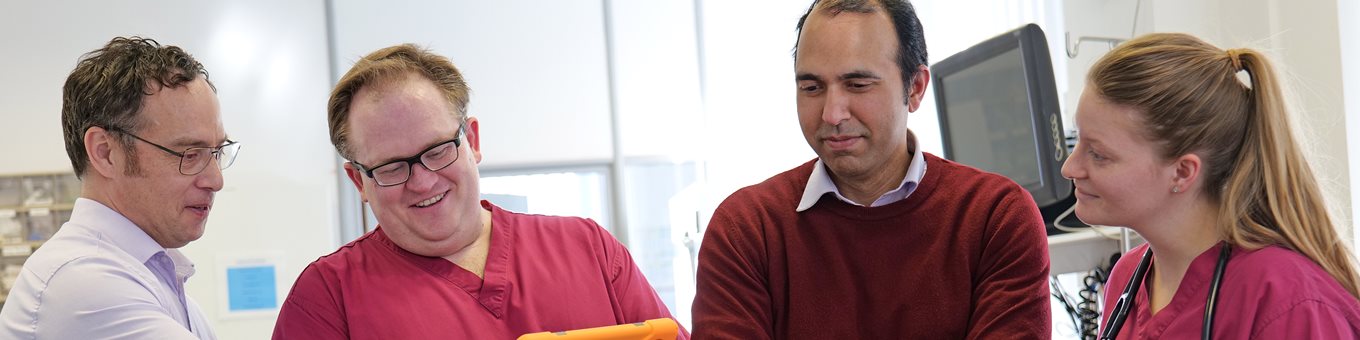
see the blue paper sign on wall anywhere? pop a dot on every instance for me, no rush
(251, 289)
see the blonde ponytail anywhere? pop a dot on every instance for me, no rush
(1272, 196)
(1193, 101)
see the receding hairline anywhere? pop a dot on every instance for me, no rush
(852, 6)
(832, 13)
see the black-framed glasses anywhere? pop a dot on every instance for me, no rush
(193, 160)
(434, 158)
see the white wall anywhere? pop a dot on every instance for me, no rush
(656, 78)
(947, 34)
(1108, 19)
(536, 69)
(1301, 37)
(720, 90)
(268, 61)
(751, 121)
(1348, 13)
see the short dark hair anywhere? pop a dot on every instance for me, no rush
(911, 38)
(388, 64)
(108, 85)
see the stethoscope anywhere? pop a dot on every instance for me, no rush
(1125, 302)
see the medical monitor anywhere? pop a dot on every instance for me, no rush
(998, 109)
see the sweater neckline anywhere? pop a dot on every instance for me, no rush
(911, 204)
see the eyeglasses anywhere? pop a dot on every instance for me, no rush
(398, 171)
(193, 160)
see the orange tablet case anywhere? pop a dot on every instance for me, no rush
(655, 329)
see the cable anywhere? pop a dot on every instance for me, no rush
(1089, 309)
(1137, 4)
(1106, 231)
(1086, 308)
(1057, 291)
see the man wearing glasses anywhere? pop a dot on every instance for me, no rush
(144, 133)
(442, 263)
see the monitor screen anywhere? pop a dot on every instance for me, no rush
(1002, 141)
(999, 112)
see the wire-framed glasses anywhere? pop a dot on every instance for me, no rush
(193, 160)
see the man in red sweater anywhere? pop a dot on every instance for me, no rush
(874, 239)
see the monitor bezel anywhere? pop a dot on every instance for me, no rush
(1043, 99)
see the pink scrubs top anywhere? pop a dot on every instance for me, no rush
(1268, 293)
(543, 273)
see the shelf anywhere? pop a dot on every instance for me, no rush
(56, 206)
(19, 249)
(1082, 251)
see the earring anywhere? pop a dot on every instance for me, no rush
(1175, 189)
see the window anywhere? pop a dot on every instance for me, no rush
(564, 192)
(662, 204)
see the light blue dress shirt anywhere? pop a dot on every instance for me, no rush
(820, 183)
(102, 277)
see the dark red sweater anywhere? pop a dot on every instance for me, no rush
(965, 256)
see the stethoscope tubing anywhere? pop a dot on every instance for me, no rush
(1124, 305)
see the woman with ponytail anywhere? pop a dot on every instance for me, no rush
(1190, 146)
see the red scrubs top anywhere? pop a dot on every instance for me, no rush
(1268, 293)
(543, 273)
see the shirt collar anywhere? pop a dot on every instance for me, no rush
(820, 183)
(183, 267)
(115, 228)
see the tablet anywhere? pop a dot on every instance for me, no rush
(654, 329)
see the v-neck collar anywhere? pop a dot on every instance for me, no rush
(490, 290)
(1189, 294)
